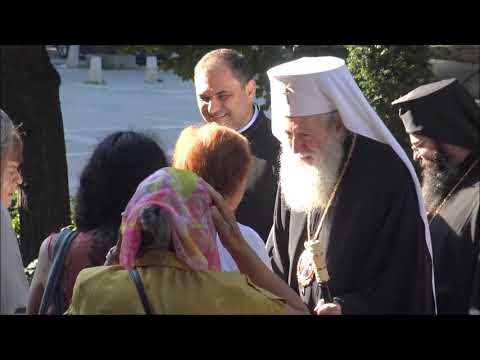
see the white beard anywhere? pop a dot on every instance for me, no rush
(306, 187)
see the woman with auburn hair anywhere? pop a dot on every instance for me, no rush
(222, 157)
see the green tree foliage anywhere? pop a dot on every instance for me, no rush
(14, 214)
(182, 59)
(385, 73)
(29, 93)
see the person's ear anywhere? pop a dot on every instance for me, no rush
(340, 129)
(338, 124)
(251, 88)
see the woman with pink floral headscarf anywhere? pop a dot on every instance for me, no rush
(169, 261)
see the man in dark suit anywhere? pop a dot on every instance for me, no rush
(225, 91)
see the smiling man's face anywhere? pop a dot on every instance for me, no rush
(222, 98)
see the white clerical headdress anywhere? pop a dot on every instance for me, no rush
(295, 90)
(318, 85)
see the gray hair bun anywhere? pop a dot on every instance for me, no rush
(156, 228)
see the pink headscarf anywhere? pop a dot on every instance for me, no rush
(184, 195)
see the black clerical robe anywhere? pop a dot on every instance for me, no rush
(377, 256)
(256, 208)
(455, 233)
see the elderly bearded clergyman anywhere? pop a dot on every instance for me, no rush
(348, 196)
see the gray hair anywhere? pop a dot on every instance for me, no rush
(11, 148)
(157, 232)
(6, 130)
(332, 117)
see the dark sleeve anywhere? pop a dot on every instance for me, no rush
(277, 243)
(475, 297)
(398, 263)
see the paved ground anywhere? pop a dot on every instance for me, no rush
(90, 112)
(163, 109)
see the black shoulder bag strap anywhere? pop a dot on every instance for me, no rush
(54, 287)
(141, 290)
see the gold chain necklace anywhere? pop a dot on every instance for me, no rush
(305, 273)
(332, 195)
(446, 198)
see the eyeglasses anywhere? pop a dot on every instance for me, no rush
(14, 170)
(416, 147)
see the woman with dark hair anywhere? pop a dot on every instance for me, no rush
(118, 164)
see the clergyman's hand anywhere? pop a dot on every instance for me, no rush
(248, 262)
(328, 309)
(225, 223)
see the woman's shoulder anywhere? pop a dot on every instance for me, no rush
(81, 239)
(100, 272)
(80, 245)
(239, 294)
(99, 277)
(248, 231)
(251, 236)
(256, 243)
(6, 222)
(4, 212)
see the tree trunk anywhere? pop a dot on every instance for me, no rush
(29, 94)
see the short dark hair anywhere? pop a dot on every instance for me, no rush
(235, 61)
(117, 166)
